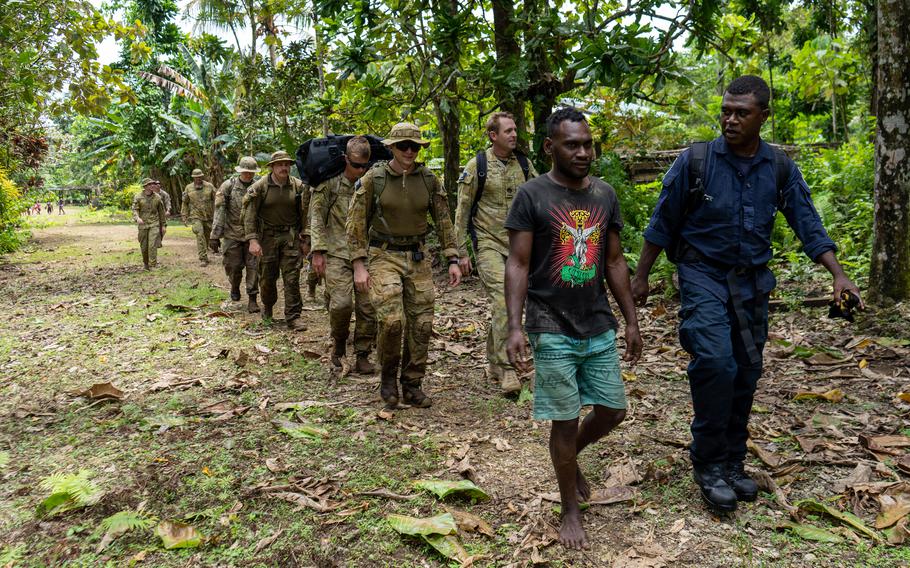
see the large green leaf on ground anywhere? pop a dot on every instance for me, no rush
(439, 525)
(298, 430)
(443, 488)
(811, 532)
(844, 517)
(447, 545)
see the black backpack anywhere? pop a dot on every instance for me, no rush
(781, 163)
(481, 162)
(319, 159)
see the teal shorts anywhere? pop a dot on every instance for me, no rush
(571, 373)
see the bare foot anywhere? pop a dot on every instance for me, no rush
(582, 487)
(571, 534)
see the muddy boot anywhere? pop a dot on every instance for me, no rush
(251, 306)
(204, 262)
(388, 390)
(146, 267)
(235, 293)
(509, 382)
(266, 313)
(494, 373)
(338, 352)
(363, 365)
(296, 324)
(412, 395)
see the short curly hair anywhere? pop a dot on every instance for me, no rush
(569, 113)
(358, 146)
(751, 85)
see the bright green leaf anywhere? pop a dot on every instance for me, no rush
(811, 532)
(844, 517)
(444, 488)
(439, 525)
(178, 535)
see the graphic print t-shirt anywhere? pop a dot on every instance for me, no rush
(566, 291)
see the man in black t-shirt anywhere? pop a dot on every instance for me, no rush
(563, 245)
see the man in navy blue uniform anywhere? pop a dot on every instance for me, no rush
(714, 217)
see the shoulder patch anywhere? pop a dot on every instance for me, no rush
(465, 176)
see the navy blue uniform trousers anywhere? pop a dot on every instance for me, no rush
(721, 376)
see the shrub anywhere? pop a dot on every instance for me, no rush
(123, 198)
(12, 205)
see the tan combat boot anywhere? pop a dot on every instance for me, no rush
(414, 396)
(509, 381)
(363, 365)
(296, 324)
(338, 352)
(251, 306)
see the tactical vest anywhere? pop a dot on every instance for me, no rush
(380, 229)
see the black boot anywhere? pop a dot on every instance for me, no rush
(388, 390)
(235, 293)
(717, 493)
(746, 489)
(411, 394)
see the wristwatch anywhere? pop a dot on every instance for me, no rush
(453, 261)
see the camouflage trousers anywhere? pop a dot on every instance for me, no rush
(344, 300)
(202, 229)
(149, 235)
(401, 290)
(491, 266)
(280, 254)
(236, 258)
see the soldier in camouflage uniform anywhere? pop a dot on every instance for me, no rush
(228, 225)
(275, 222)
(198, 208)
(166, 199)
(332, 261)
(505, 171)
(388, 216)
(148, 213)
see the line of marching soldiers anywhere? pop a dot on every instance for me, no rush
(364, 231)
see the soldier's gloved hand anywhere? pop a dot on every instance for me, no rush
(318, 264)
(465, 264)
(255, 248)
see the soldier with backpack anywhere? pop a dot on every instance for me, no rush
(275, 224)
(485, 191)
(228, 224)
(386, 230)
(714, 218)
(332, 260)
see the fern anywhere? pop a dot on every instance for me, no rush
(68, 491)
(128, 520)
(122, 522)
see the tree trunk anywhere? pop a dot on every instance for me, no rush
(320, 67)
(449, 129)
(889, 275)
(508, 57)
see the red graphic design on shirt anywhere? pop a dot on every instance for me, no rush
(576, 250)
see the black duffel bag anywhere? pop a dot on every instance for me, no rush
(319, 159)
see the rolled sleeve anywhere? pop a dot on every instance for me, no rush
(803, 218)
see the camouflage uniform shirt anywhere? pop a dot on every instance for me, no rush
(198, 204)
(500, 187)
(268, 204)
(228, 222)
(328, 211)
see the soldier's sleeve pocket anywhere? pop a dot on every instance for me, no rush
(466, 177)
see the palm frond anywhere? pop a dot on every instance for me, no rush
(169, 86)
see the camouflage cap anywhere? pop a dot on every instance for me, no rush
(197, 173)
(280, 156)
(405, 131)
(247, 164)
(148, 181)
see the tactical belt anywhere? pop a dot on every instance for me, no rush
(277, 228)
(733, 274)
(389, 246)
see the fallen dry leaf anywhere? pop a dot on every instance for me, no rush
(469, 522)
(103, 391)
(833, 395)
(622, 473)
(267, 541)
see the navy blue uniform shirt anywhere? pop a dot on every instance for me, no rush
(733, 225)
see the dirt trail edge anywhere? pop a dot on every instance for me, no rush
(204, 432)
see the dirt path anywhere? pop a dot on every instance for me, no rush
(195, 438)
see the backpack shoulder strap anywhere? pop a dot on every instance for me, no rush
(698, 153)
(481, 164)
(783, 166)
(523, 162)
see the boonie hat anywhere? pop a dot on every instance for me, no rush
(148, 181)
(247, 164)
(405, 131)
(280, 156)
(197, 173)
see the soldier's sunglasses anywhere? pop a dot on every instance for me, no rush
(358, 165)
(406, 145)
